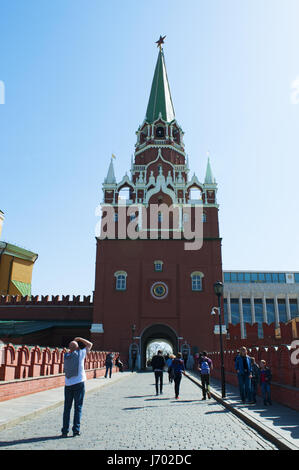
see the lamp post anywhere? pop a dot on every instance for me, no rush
(218, 289)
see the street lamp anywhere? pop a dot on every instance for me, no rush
(218, 289)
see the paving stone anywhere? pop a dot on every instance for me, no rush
(127, 415)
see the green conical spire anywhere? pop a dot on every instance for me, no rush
(209, 179)
(160, 98)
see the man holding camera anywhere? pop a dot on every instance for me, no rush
(75, 378)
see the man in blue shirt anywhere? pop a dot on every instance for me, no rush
(244, 370)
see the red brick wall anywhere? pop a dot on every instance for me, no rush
(285, 375)
(26, 370)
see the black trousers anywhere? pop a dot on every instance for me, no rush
(177, 381)
(159, 378)
(205, 382)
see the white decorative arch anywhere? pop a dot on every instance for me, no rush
(197, 273)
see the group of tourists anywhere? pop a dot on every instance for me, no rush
(250, 376)
(176, 368)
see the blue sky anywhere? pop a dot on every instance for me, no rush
(77, 78)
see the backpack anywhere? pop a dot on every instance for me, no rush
(205, 368)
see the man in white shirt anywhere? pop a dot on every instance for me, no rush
(75, 378)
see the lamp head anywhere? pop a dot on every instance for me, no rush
(218, 288)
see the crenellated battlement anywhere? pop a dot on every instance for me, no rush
(271, 334)
(46, 300)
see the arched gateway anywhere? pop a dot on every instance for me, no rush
(157, 332)
(150, 283)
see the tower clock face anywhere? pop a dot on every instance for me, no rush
(160, 132)
(159, 290)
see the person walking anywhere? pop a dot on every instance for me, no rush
(254, 380)
(178, 369)
(119, 364)
(265, 382)
(205, 367)
(185, 358)
(169, 366)
(109, 364)
(74, 389)
(158, 364)
(134, 358)
(243, 368)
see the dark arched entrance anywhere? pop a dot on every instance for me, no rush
(157, 332)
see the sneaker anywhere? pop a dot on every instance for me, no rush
(76, 433)
(203, 398)
(177, 398)
(63, 435)
(209, 396)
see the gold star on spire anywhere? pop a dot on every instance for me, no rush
(160, 41)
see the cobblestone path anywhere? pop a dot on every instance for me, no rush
(127, 415)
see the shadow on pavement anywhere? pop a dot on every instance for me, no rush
(30, 441)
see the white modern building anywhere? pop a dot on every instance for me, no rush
(260, 297)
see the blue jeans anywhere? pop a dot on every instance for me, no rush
(73, 393)
(266, 392)
(108, 368)
(244, 387)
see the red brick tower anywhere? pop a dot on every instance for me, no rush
(149, 284)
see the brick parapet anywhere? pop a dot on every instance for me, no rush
(20, 365)
(285, 373)
(45, 300)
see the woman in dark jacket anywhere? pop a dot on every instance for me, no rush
(178, 367)
(265, 382)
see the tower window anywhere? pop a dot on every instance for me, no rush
(196, 281)
(121, 280)
(160, 132)
(158, 266)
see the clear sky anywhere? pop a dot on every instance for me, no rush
(77, 77)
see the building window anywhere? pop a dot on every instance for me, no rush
(246, 304)
(196, 281)
(270, 311)
(158, 266)
(294, 308)
(225, 312)
(121, 280)
(259, 316)
(282, 309)
(234, 306)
